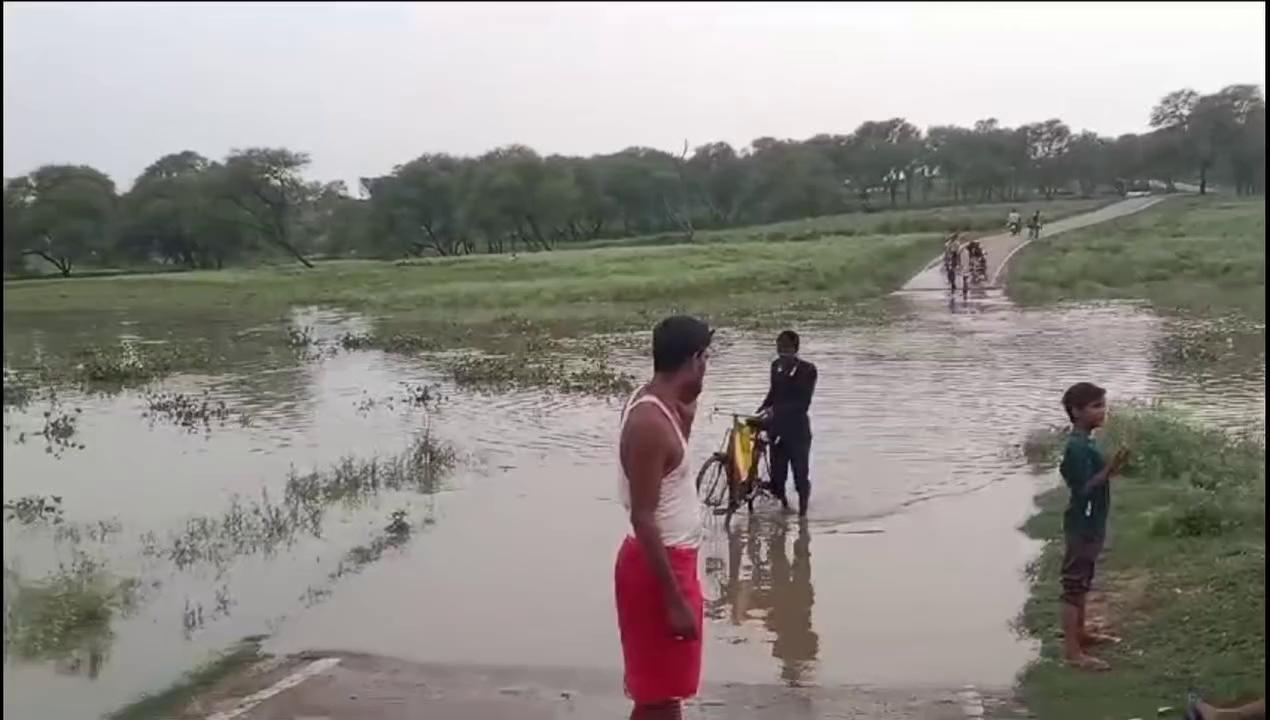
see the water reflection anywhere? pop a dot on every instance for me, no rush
(758, 581)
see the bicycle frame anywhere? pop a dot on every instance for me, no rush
(745, 437)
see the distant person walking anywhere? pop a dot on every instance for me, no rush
(1034, 226)
(965, 267)
(658, 593)
(950, 261)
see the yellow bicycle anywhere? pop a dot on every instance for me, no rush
(739, 472)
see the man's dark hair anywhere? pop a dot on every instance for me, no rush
(787, 337)
(678, 339)
(1081, 395)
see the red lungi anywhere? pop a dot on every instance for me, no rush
(659, 667)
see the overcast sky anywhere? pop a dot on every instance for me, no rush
(365, 87)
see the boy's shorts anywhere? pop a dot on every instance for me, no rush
(1079, 558)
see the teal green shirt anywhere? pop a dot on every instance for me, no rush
(1088, 507)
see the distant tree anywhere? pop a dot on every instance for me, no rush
(1226, 126)
(59, 213)
(167, 215)
(1047, 145)
(421, 206)
(269, 194)
(1089, 161)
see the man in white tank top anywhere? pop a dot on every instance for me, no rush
(657, 589)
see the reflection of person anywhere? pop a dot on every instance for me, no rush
(1199, 710)
(774, 590)
(796, 644)
(1085, 521)
(658, 592)
(793, 382)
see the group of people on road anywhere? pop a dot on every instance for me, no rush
(964, 258)
(1014, 223)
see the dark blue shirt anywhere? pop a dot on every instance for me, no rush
(1087, 508)
(789, 397)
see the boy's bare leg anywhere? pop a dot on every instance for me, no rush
(1251, 711)
(1073, 616)
(1090, 638)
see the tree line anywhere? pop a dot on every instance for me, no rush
(189, 211)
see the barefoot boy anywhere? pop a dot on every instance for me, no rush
(1085, 521)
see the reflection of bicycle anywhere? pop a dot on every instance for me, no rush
(739, 472)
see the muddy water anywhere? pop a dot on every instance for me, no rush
(908, 573)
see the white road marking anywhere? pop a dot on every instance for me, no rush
(314, 668)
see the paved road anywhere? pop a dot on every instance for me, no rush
(1000, 248)
(348, 686)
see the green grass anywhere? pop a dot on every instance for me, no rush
(610, 288)
(66, 613)
(1183, 581)
(1204, 255)
(990, 216)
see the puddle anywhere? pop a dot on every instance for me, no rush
(910, 556)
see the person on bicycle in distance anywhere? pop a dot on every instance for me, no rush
(793, 381)
(1013, 221)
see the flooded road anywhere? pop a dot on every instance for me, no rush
(908, 574)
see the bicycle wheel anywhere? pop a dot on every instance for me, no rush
(762, 479)
(712, 481)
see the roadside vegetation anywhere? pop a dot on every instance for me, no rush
(1182, 581)
(1197, 255)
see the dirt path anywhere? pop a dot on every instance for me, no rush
(334, 685)
(1001, 248)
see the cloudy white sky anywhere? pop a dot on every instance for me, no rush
(365, 87)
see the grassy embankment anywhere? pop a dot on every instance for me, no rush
(1183, 582)
(1184, 579)
(1198, 254)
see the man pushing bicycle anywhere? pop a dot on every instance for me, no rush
(793, 382)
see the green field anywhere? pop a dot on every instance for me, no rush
(607, 288)
(1183, 581)
(985, 217)
(1195, 254)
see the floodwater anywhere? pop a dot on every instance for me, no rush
(909, 572)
